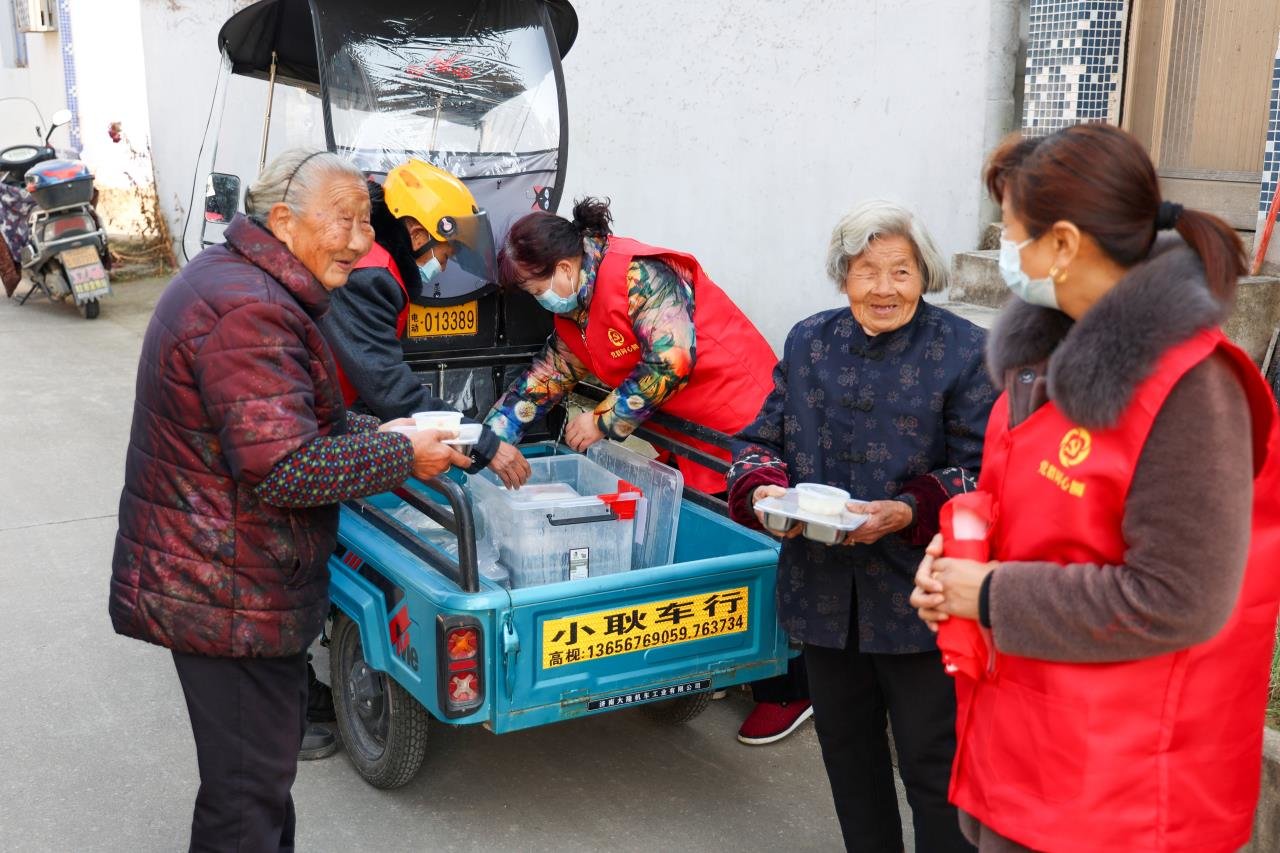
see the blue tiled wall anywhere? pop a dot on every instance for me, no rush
(1271, 159)
(1074, 51)
(69, 70)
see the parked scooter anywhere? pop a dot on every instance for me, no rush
(65, 251)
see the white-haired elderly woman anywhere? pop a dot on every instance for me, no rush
(240, 452)
(888, 399)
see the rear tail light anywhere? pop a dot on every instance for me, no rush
(464, 688)
(462, 643)
(460, 664)
(65, 226)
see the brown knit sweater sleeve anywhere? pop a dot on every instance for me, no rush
(1186, 522)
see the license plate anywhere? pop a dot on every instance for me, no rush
(86, 275)
(605, 633)
(432, 322)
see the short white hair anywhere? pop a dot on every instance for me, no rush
(296, 173)
(872, 220)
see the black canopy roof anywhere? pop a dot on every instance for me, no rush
(286, 27)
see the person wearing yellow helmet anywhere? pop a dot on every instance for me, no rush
(423, 219)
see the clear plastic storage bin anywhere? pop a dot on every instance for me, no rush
(659, 514)
(573, 519)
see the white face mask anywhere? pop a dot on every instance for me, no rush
(1035, 291)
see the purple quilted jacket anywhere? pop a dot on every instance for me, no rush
(234, 377)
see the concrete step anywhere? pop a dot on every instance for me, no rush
(976, 283)
(1256, 314)
(975, 278)
(979, 315)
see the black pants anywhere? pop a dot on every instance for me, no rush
(791, 686)
(851, 694)
(248, 716)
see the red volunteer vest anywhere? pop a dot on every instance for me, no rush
(1162, 753)
(380, 258)
(733, 372)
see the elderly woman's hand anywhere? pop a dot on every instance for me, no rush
(387, 426)
(762, 492)
(430, 457)
(883, 518)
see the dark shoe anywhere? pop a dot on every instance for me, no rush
(318, 742)
(319, 699)
(772, 721)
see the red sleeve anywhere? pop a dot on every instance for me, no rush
(740, 509)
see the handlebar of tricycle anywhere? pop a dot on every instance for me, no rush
(458, 519)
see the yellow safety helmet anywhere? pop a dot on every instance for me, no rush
(444, 206)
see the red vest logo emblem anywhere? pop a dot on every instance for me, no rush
(1075, 447)
(616, 338)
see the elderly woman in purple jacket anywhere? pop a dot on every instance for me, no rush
(240, 452)
(888, 399)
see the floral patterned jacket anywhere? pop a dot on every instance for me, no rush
(660, 305)
(900, 415)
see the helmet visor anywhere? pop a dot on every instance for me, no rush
(472, 241)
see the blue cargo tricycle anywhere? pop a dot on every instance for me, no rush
(420, 633)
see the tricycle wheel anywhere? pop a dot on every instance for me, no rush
(383, 728)
(674, 711)
(90, 309)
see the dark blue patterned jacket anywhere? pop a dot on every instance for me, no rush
(897, 415)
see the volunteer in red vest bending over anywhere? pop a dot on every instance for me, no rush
(1133, 460)
(422, 217)
(646, 321)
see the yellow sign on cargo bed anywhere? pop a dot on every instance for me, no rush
(605, 633)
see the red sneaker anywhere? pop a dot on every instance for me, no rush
(772, 721)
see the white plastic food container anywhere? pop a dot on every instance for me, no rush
(820, 499)
(782, 512)
(438, 420)
(468, 435)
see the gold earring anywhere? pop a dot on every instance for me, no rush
(1058, 276)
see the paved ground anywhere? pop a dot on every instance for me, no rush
(95, 750)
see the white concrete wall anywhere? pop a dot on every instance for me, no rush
(741, 131)
(180, 49)
(111, 87)
(40, 80)
(737, 130)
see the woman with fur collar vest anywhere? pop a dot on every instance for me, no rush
(1128, 616)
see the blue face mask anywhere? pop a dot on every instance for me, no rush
(554, 302)
(1034, 291)
(430, 271)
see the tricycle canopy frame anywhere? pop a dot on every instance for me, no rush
(472, 86)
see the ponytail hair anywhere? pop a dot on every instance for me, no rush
(1100, 178)
(592, 216)
(538, 241)
(1219, 248)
